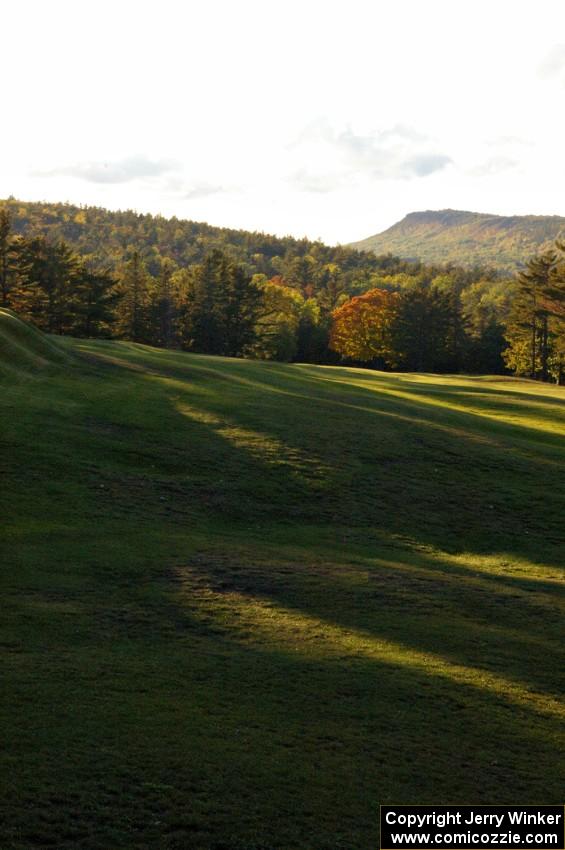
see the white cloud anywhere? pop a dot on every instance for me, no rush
(553, 64)
(119, 171)
(492, 166)
(201, 190)
(335, 159)
(331, 120)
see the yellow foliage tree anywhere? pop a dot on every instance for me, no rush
(361, 327)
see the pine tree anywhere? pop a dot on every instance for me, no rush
(48, 274)
(201, 321)
(241, 302)
(93, 303)
(555, 303)
(422, 332)
(8, 256)
(132, 313)
(220, 309)
(528, 329)
(164, 308)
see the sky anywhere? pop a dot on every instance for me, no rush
(329, 120)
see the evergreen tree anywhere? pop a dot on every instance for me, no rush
(555, 304)
(313, 334)
(457, 342)
(164, 308)
(94, 300)
(202, 321)
(221, 306)
(484, 354)
(241, 299)
(48, 274)
(530, 328)
(132, 313)
(422, 331)
(331, 290)
(7, 256)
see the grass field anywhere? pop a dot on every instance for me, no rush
(246, 603)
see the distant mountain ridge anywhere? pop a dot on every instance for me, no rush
(467, 238)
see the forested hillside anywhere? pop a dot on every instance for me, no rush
(467, 238)
(106, 236)
(88, 272)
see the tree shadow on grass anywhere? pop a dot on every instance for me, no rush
(329, 648)
(455, 617)
(352, 456)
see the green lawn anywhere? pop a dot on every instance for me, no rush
(246, 603)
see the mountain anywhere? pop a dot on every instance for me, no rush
(466, 238)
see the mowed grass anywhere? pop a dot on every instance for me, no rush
(246, 603)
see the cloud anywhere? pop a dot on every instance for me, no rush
(493, 166)
(553, 63)
(166, 175)
(119, 171)
(508, 141)
(187, 189)
(326, 160)
(307, 181)
(403, 132)
(499, 154)
(202, 190)
(426, 163)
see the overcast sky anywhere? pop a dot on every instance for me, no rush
(325, 119)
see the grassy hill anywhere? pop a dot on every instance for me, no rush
(23, 348)
(245, 603)
(467, 238)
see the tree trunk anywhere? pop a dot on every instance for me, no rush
(544, 349)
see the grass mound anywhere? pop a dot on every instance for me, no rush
(23, 348)
(245, 603)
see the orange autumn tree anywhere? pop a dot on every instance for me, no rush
(361, 327)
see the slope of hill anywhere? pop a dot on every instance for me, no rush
(107, 236)
(466, 238)
(23, 348)
(244, 603)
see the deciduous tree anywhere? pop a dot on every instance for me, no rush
(361, 328)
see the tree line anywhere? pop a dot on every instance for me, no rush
(105, 237)
(384, 312)
(423, 328)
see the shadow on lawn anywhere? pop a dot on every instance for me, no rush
(446, 676)
(355, 458)
(332, 649)
(328, 465)
(452, 615)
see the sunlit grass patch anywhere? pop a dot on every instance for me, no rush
(251, 616)
(245, 603)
